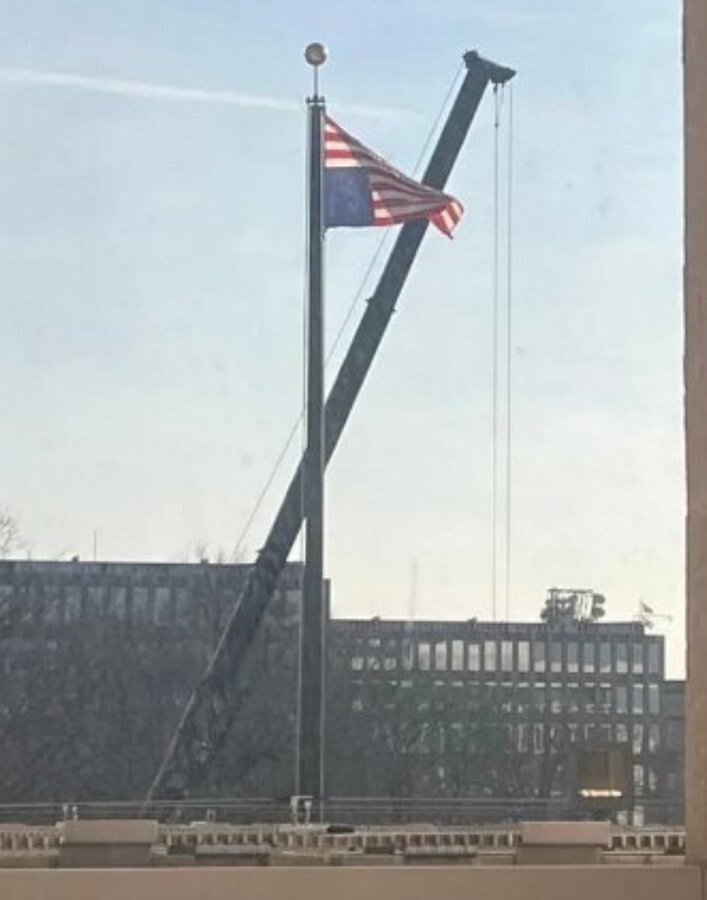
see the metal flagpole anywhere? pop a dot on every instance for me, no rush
(310, 778)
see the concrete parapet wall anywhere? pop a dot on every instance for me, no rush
(453, 883)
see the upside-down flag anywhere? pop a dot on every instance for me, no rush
(361, 188)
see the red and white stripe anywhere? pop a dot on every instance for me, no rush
(396, 198)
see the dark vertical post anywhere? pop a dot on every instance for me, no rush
(310, 769)
(695, 271)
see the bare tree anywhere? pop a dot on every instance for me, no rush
(10, 538)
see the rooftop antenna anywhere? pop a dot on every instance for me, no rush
(647, 616)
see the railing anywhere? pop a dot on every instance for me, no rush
(207, 838)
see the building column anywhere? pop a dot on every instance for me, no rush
(695, 39)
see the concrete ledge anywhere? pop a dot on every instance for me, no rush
(594, 834)
(108, 831)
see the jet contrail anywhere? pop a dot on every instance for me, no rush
(146, 91)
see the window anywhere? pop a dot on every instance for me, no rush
(638, 739)
(184, 607)
(590, 698)
(539, 697)
(164, 606)
(654, 699)
(473, 651)
(621, 733)
(652, 782)
(638, 783)
(604, 698)
(357, 663)
(523, 738)
(605, 656)
(654, 658)
(140, 603)
(621, 699)
(72, 603)
(621, 658)
(457, 655)
(588, 652)
(441, 656)
(390, 659)
(407, 652)
(423, 656)
(506, 656)
(523, 698)
(373, 663)
(638, 659)
(456, 737)
(555, 656)
(523, 656)
(94, 599)
(573, 697)
(507, 698)
(638, 699)
(51, 604)
(572, 657)
(653, 738)
(490, 656)
(538, 738)
(556, 698)
(539, 656)
(119, 602)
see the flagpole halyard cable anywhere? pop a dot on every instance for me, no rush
(494, 363)
(509, 357)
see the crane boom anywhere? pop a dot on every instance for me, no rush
(210, 710)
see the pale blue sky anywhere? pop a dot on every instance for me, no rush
(151, 285)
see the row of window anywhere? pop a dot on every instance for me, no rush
(617, 657)
(529, 737)
(523, 698)
(160, 605)
(588, 698)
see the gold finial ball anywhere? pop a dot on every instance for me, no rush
(316, 54)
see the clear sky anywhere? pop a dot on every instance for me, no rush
(151, 282)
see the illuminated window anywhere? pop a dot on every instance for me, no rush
(637, 739)
(457, 655)
(441, 656)
(423, 656)
(638, 659)
(588, 653)
(621, 699)
(506, 656)
(654, 699)
(621, 658)
(539, 656)
(473, 657)
(523, 656)
(638, 699)
(490, 656)
(605, 657)
(572, 657)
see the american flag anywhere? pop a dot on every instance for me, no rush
(361, 188)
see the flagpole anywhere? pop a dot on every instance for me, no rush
(310, 769)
